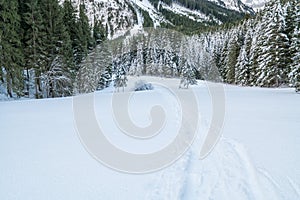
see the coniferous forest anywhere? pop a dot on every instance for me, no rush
(43, 45)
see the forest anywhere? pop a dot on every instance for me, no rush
(41, 45)
(45, 47)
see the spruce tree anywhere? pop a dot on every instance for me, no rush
(99, 34)
(69, 18)
(33, 46)
(294, 75)
(58, 51)
(83, 39)
(120, 77)
(187, 76)
(10, 44)
(231, 59)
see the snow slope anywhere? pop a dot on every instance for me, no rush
(120, 16)
(237, 5)
(255, 4)
(257, 157)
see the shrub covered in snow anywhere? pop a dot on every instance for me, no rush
(142, 85)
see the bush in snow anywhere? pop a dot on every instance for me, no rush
(142, 85)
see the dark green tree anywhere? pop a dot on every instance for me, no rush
(84, 35)
(231, 60)
(99, 33)
(11, 55)
(58, 65)
(34, 34)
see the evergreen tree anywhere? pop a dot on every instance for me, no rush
(69, 18)
(105, 78)
(99, 33)
(120, 78)
(221, 63)
(58, 51)
(83, 39)
(33, 47)
(10, 48)
(187, 71)
(231, 59)
(188, 76)
(243, 67)
(294, 75)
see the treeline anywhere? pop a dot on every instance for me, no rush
(42, 44)
(264, 51)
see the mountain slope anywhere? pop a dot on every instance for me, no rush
(255, 4)
(118, 16)
(236, 5)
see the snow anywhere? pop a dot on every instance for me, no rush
(151, 10)
(257, 157)
(255, 4)
(236, 5)
(181, 10)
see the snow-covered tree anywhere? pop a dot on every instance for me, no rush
(120, 78)
(294, 75)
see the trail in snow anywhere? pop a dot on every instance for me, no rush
(228, 173)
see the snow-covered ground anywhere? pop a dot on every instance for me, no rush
(257, 157)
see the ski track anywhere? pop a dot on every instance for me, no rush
(295, 187)
(227, 173)
(171, 182)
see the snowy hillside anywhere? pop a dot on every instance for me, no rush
(255, 4)
(118, 16)
(237, 5)
(257, 156)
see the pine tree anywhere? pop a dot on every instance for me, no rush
(231, 59)
(83, 39)
(120, 77)
(105, 78)
(242, 75)
(274, 59)
(187, 76)
(10, 44)
(33, 36)
(222, 60)
(58, 51)
(187, 71)
(254, 52)
(70, 20)
(243, 67)
(294, 75)
(99, 33)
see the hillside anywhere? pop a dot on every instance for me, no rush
(119, 16)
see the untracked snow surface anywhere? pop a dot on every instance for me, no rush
(257, 157)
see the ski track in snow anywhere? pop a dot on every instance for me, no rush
(295, 187)
(226, 174)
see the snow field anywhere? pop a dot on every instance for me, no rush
(41, 156)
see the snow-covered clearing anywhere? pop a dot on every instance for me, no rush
(257, 157)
